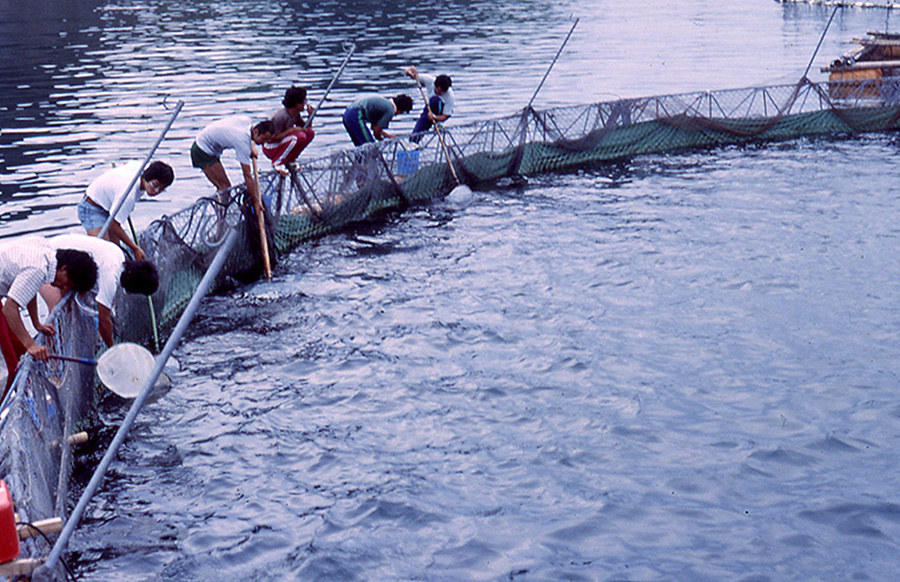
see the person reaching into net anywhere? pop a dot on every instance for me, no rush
(113, 270)
(25, 265)
(376, 111)
(104, 193)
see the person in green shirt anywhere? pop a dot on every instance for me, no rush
(375, 111)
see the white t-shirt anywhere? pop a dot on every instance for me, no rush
(228, 133)
(109, 258)
(26, 264)
(110, 187)
(448, 97)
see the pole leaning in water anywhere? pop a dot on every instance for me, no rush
(260, 218)
(547, 74)
(330, 85)
(818, 46)
(138, 403)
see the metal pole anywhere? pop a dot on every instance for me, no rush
(821, 38)
(330, 85)
(121, 201)
(138, 403)
(559, 52)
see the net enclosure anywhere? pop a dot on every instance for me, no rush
(327, 194)
(357, 184)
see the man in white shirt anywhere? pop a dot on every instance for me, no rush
(230, 133)
(440, 98)
(25, 265)
(105, 192)
(113, 269)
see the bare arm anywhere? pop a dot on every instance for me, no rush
(17, 326)
(117, 233)
(35, 319)
(106, 325)
(250, 182)
(380, 133)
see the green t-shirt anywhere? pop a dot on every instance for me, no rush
(377, 110)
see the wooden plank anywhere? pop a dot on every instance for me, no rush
(20, 567)
(47, 526)
(862, 66)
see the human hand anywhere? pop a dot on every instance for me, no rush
(39, 352)
(139, 254)
(45, 328)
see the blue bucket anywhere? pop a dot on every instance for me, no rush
(407, 161)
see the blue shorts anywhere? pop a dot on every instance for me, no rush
(91, 216)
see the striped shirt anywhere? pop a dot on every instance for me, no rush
(25, 265)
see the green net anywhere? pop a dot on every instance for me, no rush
(329, 193)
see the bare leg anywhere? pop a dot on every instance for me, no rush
(216, 174)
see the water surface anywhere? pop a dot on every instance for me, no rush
(676, 367)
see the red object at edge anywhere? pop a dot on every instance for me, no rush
(9, 537)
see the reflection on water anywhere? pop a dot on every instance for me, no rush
(87, 84)
(674, 367)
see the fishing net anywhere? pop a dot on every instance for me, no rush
(45, 405)
(327, 194)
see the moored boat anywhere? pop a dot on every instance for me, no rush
(869, 70)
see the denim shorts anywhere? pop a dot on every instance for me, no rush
(91, 216)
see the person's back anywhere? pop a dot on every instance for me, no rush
(109, 258)
(227, 133)
(376, 109)
(29, 257)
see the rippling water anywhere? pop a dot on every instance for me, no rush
(677, 367)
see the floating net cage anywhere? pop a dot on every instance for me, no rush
(325, 195)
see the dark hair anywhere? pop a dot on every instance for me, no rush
(140, 277)
(264, 127)
(80, 267)
(160, 171)
(294, 96)
(443, 82)
(404, 103)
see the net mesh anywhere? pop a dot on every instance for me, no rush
(327, 194)
(46, 403)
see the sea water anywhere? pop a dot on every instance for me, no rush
(673, 367)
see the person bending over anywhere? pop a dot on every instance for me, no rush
(25, 265)
(104, 194)
(376, 111)
(113, 270)
(233, 133)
